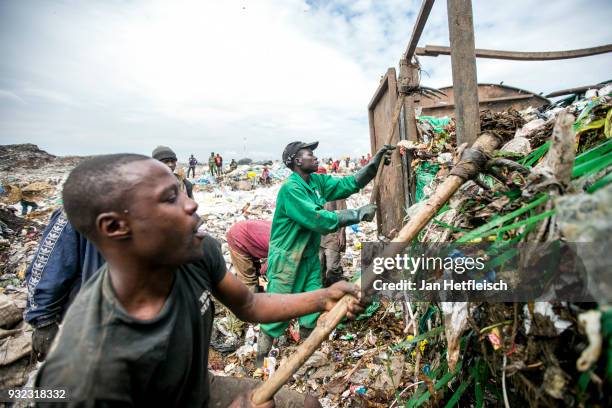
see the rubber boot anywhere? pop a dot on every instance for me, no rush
(264, 345)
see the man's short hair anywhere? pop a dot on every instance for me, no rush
(95, 186)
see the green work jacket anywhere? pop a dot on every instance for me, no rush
(300, 218)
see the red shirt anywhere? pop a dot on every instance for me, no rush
(250, 238)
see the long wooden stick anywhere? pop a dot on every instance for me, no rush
(265, 392)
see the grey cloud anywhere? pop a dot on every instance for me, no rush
(65, 83)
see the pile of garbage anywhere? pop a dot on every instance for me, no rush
(36, 176)
(16, 361)
(33, 174)
(540, 187)
(478, 354)
(543, 187)
(18, 242)
(244, 177)
(23, 155)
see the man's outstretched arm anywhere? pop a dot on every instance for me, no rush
(274, 307)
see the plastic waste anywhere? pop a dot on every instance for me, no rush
(269, 365)
(358, 389)
(545, 309)
(438, 124)
(425, 175)
(591, 322)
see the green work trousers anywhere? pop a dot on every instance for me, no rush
(307, 278)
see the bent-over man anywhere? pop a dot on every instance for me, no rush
(248, 243)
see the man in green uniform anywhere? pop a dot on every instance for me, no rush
(300, 219)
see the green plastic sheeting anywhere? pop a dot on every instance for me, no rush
(438, 124)
(425, 174)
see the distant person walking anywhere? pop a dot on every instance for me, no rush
(219, 163)
(192, 165)
(211, 164)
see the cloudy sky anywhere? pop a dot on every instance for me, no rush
(245, 77)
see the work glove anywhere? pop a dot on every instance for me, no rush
(42, 337)
(368, 172)
(354, 216)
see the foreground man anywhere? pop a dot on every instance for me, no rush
(138, 332)
(64, 261)
(299, 220)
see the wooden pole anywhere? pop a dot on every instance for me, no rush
(417, 30)
(409, 72)
(435, 50)
(463, 61)
(409, 78)
(487, 144)
(394, 120)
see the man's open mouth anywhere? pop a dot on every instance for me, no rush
(200, 229)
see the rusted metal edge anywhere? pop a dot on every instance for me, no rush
(500, 99)
(435, 50)
(578, 89)
(417, 30)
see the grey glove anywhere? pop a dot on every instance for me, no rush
(368, 172)
(354, 216)
(42, 337)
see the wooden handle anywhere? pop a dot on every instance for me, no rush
(325, 325)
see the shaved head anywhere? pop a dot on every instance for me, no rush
(96, 186)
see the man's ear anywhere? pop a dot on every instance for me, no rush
(113, 225)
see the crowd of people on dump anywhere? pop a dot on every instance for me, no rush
(326, 166)
(119, 291)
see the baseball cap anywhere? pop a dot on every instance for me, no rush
(293, 148)
(163, 153)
